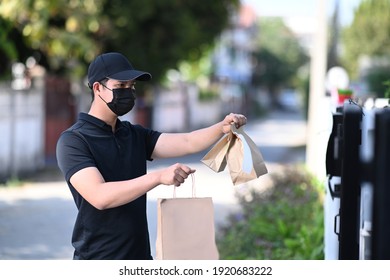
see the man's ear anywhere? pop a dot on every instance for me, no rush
(96, 86)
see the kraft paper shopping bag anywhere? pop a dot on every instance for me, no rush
(185, 229)
(242, 156)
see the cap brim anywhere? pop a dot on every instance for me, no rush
(131, 75)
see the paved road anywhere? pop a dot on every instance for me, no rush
(36, 219)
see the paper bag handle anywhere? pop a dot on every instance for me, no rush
(193, 187)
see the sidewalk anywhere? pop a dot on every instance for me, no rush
(36, 220)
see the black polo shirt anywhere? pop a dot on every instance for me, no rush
(116, 233)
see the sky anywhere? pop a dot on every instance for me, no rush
(302, 8)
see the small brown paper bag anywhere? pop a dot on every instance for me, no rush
(216, 157)
(185, 228)
(238, 151)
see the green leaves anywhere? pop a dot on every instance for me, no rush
(278, 58)
(155, 35)
(368, 35)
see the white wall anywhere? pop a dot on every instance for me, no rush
(178, 109)
(22, 131)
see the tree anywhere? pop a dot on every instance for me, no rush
(278, 58)
(58, 32)
(334, 37)
(377, 80)
(11, 44)
(368, 35)
(155, 35)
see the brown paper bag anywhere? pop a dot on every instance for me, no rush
(216, 157)
(244, 159)
(185, 229)
(238, 151)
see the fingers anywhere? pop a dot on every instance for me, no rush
(238, 119)
(177, 174)
(181, 173)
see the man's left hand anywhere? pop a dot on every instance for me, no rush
(238, 120)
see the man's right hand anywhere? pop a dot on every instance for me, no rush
(175, 174)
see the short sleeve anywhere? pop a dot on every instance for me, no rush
(151, 140)
(150, 137)
(73, 154)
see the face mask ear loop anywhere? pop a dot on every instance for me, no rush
(106, 88)
(102, 99)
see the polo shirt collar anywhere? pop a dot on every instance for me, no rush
(98, 122)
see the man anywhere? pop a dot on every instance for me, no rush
(104, 160)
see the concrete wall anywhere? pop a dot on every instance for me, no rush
(21, 131)
(178, 109)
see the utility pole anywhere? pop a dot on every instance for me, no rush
(319, 117)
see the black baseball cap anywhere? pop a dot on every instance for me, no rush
(115, 66)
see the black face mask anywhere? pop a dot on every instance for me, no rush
(123, 100)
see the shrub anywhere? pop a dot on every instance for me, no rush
(284, 221)
(387, 92)
(376, 80)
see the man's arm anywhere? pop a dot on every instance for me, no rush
(103, 195)
(180, 144)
